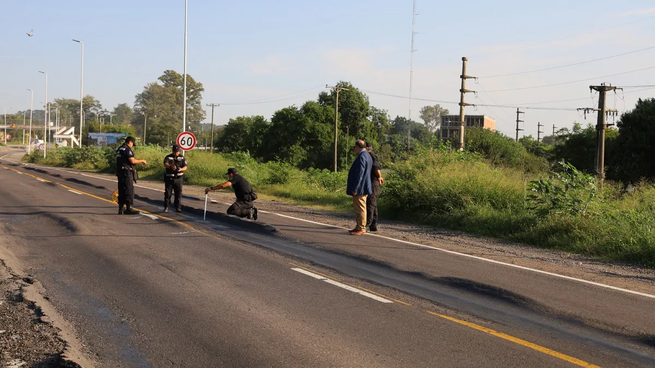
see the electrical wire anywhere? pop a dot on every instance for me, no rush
(569, 65)
(571, 82)
(563, 39)
(274, 99)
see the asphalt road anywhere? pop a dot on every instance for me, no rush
(173, 290)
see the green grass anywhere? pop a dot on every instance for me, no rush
(459, 191)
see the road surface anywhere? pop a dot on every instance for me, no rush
(158, 289)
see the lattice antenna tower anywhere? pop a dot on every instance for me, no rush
(411, 62)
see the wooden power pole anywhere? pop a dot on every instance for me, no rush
(336, 121)
(211, 142)
(462, 104)
(518, 120)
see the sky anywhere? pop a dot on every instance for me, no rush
(257, 56)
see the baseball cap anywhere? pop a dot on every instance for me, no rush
(175, 148)
(231, 171)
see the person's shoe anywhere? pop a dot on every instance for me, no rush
(358, 232)
(120, 209)
(250, 214)
(373, 227)
(130, 211)
(179, 209)
(254, 214)
(353, 230)
(165, 209)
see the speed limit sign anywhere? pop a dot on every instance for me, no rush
(186, 141)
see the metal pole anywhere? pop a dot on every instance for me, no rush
(186, 5)
(145, 124)
(518, 120)
(336, 129)
(81, 93)
(45, 118)
(29, 137)
(5, 126)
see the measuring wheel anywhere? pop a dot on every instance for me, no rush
(114, 196)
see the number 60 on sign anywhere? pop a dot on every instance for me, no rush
(186, 141)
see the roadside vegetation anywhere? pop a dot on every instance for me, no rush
(540, 192)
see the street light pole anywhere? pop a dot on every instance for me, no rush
(29, 137)
(81, 92)
(45, 118)
(186, 6)
(5, 126)
(336, 121)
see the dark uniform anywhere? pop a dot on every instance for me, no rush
(126, 175)
(244, 206)
(372, 199)
(173, 180)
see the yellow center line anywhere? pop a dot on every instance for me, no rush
(516, 340)
(474, 326)
(109, 201)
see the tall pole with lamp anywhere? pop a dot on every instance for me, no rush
(45, 114)
(29, 137)
(81, 92)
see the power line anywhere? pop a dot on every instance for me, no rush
(569, 65)
(565, 38)
(571, 82)
(274, 99)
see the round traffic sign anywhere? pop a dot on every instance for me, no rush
(40, 147)
(186, 141)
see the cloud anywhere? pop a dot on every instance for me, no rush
(639, 12)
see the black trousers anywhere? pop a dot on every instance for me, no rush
(172, 184)
(240, 208)
(125, 187)
(372, 204)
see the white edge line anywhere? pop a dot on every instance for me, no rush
(343, 286)
(311, 274)
(489, 260)
(153, 217)
(74, 191)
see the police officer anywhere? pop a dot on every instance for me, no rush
(244, 206)
(126, 174)
(175, 165)
(372, 200)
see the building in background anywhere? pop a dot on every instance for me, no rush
(450, 124)
(106, 139)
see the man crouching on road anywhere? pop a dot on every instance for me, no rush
(359, 185)
(244, 206)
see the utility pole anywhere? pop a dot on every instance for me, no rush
(553, 130)
(336, 121)
(539, 131)
(211, 143)
(462, 104)
(518, 120)
(601, 125)
(145, 125)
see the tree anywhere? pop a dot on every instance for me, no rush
(123, 114)
(431, 116)
(635, 145)
(161, 103)
(234, 136)
(578, 146)
(354, 108)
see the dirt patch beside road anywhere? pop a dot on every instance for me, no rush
(28, 337)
